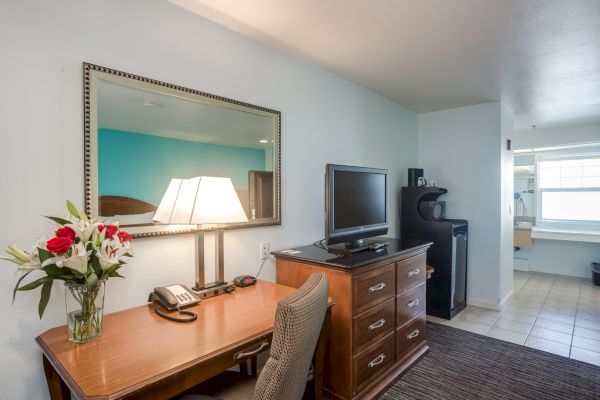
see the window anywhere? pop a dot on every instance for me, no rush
(570, 188)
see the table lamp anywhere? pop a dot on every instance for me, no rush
(200, 201)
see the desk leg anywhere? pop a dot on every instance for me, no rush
(57, 388)
(320, 356)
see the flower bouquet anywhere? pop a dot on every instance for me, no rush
(83, 253)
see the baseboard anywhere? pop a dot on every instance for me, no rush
(561, 271)
(484, 304)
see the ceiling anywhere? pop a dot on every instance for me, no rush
(135, 110)
(540, 57)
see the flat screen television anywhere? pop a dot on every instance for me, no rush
(355, 206)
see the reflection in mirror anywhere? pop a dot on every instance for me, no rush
(524, 184)
(143, 133)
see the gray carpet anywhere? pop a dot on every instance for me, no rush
(462, 365)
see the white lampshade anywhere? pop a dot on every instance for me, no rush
(200, 200)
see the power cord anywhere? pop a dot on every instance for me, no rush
(319, 243)
(261, 266)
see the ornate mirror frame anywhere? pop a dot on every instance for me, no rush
(92, 73)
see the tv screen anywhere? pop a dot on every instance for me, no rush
(355, 203)
(358, 199)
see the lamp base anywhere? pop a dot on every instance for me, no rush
(209, 285)
(214, 289)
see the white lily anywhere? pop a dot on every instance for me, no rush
(110, 252)
(83, 229)
(34, 261)
(21, 257)
(78, 260)
(26, 261)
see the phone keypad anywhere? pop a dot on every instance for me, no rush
(183, 297)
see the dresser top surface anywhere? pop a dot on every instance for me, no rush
(317, 253)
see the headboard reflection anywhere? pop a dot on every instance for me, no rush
(109, 206)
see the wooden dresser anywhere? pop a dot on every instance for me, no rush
(377, 327)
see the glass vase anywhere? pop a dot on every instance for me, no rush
(85, 305)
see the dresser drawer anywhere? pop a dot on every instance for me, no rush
(373, 288)
(374, 324)
(373, 362)
(410, 335)
(410, 304)
(410, 273)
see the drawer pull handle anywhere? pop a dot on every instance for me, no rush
(413, 303)
(377, 287)
(414, 271)
(378, 360)
(243, 354)
(377, 324)
(413, 334)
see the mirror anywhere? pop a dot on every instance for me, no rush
(140, 133)
(524, 186)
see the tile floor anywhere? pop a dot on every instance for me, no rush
(553, 313)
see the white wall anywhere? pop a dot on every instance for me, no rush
(324, 119)
(562, 135)
(506, 203)
(461, 148)
(558, 257)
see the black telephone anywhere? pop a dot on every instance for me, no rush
(174, 297)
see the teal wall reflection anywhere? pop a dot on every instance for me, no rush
(141, 166)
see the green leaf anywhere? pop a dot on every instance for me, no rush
(44, 254)
(77, 274)
(115, 274)
(60, 221)
(36, 283)
(96, 266)
(53, 270)
(17, 285)
(112, 269)
(91, 278)
(73, 210)
(44, 298)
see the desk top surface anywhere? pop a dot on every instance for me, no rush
(137, 346)
(319, 254)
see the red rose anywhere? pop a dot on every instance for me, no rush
(66, 232)
(110, 230)
(59, 245)
(124, 236)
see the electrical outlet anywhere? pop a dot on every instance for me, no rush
(264, 250)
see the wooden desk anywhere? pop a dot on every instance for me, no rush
(143, 356)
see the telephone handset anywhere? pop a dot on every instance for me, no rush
(174, 297)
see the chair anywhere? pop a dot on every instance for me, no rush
(298, 322)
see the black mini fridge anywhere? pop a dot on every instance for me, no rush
(447, 287)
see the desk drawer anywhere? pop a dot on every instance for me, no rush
(373, 362)
(373, 288)
(410, 273)
(373, 325)
(410, 335)
(410, 304)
